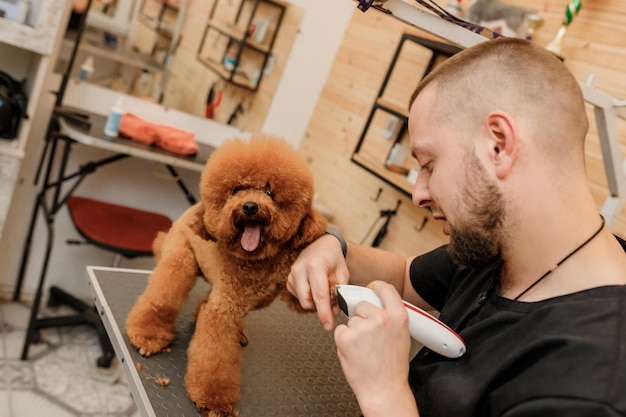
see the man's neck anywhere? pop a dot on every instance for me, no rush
(525, 263)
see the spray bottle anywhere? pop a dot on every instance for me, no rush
(112, 126)
(86, 69)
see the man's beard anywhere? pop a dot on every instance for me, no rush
(477, 241)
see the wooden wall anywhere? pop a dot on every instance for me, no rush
(594, 44)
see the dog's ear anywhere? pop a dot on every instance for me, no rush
(312, 226)
(197, 224)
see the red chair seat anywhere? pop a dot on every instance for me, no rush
(120, 229)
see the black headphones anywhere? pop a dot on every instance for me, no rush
(13, 103)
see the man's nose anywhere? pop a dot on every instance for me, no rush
(421, 194)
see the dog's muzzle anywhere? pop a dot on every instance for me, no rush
(251, 234)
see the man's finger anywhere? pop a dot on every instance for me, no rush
(320, 292)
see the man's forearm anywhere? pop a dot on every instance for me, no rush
(367, 264)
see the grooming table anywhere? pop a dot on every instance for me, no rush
(290, 366)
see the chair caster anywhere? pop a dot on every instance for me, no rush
(53, 301)
(105, 360)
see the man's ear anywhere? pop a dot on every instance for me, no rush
(504, 141)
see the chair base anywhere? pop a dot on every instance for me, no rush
(86, 315)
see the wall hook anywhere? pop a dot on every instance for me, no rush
(377, 196)
(421, 227)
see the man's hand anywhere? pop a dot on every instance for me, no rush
(318, 268)
(374, 348)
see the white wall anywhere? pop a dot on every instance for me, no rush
(311, 58)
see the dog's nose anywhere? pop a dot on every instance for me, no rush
(250, 208)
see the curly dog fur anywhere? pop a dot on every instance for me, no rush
(255, 215)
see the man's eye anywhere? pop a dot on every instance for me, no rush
(427, 167)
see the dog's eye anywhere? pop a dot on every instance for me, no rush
(269, 192)
(237, 189)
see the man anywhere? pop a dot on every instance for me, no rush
(531, 279)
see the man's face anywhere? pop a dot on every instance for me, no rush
(455, 185)
(475, 237)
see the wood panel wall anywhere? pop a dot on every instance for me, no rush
(595, 43)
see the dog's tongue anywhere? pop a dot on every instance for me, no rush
(251, 237)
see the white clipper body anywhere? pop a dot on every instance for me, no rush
(423, 327)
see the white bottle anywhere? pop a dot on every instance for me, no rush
(398, 155)
(260, 33)
(86, 69)
(112, 126)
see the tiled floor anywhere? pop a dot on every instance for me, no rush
(60, 379)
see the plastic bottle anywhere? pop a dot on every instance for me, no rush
(112, 126)
(230, 59)
(397, 156)
(260, 32)
(86, 69)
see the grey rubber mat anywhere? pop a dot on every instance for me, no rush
(290, 366)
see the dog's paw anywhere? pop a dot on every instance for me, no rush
(213, 397)
(148, 346)
(221, 410)
(149, 333)
(216, 413)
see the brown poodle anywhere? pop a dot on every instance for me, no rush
(254, 217)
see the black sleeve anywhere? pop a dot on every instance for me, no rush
(561, 407)
(431, 275)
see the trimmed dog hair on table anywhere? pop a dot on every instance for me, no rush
(255, 216)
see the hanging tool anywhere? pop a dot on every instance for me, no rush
(382, 232)
(236, 112)
(213, 101)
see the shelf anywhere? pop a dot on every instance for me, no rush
(399, 111)
(228, 29)
(10, 147)
(159, 29)
(378, 137)
(92, 43)
(38, 38)
(171, 6)
(28, 53)
(233, 41)
(153, 23)
(235, 77)
(398, 181)
(215, 66)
